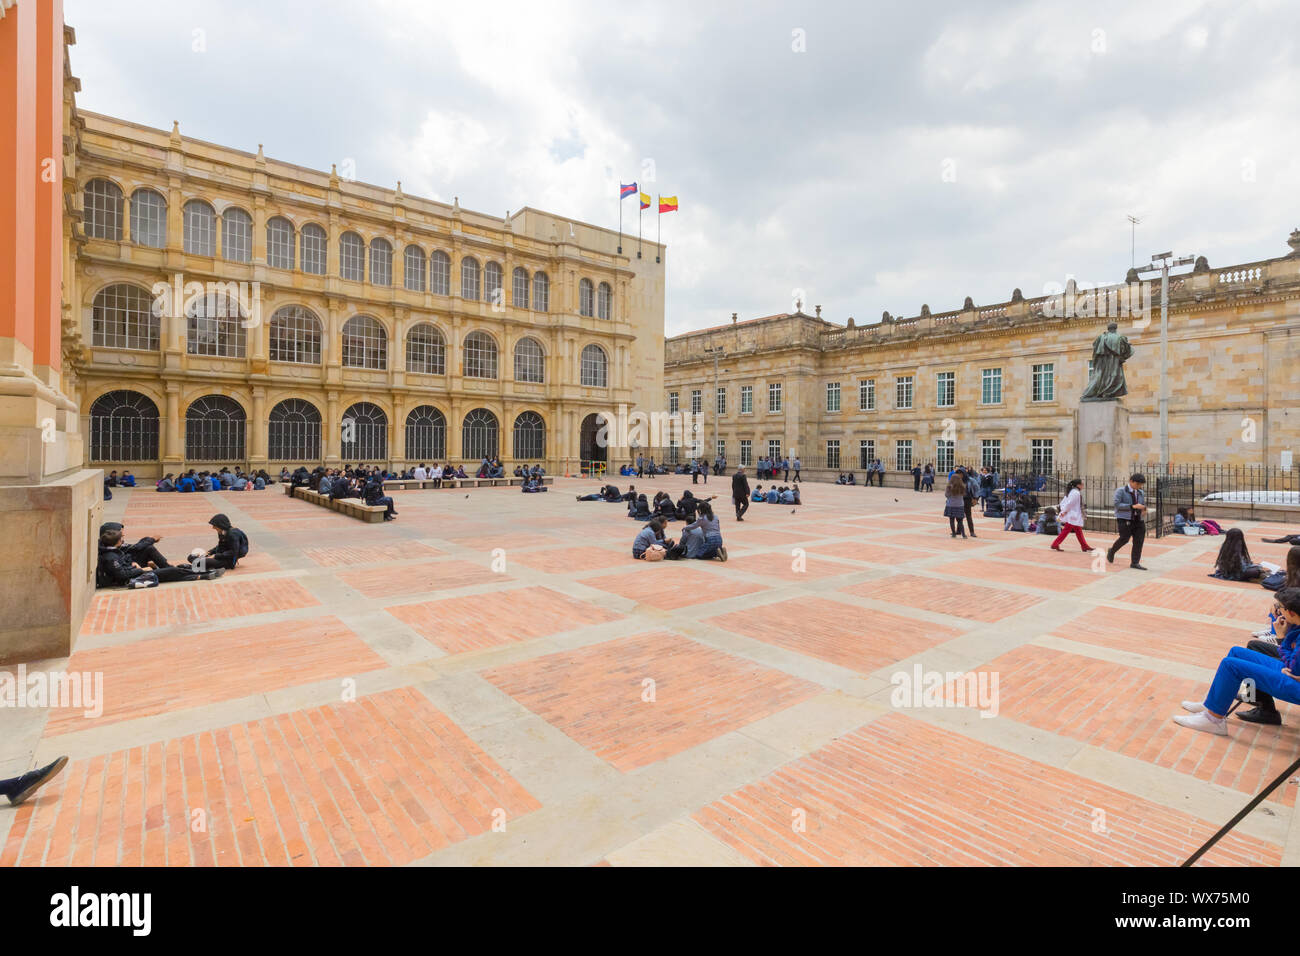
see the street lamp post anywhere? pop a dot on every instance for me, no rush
(1161, 263)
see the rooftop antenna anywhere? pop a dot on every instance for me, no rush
(1132, 254)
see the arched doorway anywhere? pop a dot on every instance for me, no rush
(591, 449)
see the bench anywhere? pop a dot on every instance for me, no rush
(406, 484)
(352, 507)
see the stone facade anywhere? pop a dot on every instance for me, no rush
(587, 320)
(1011, 376)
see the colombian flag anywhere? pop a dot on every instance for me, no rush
(645, 200)
(667, 203)
(625, 190)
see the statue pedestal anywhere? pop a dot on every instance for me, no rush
(1101, 440)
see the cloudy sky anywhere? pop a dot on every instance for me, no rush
(871, 155)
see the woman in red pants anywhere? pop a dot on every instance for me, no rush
(1071, 516)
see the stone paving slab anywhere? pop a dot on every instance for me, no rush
(468, 684)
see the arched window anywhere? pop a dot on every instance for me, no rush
(479, 435)
(426, 434)
(469, 278)
(279, 243)
(586, 298)
(214, 430)
(101, 202)
(480, 356)
(381, 262)
(541, 292)
(519, 294)
(123, 427)
(413, 271)
(313, 241)
(213, 326)
(440, 273)
(604, 301)
(295, 335)
(236, 235)
(293, 431)
(352, 257)
(364, 433)
(595, 367)
(493, 293)
(426, 350)
(148, 218)
(365, 343)
(122, 317)
(530, 363)
(530, 437)
(200, 232)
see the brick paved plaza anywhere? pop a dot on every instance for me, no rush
(379, 694)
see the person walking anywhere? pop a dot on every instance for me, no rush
(1070, 514)
(968, 500)
(796, 465)
(740, 492)
(1130, 516)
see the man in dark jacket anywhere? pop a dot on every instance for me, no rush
(740, 492)
(232, 544)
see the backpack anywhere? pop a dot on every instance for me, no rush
(1274, 581)
(656, 552)
(1211, 527)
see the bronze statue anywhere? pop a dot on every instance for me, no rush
(1110, 351)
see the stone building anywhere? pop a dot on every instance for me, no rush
(228, 308)
(1001, 382)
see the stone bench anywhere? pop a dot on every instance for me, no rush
(352, 507)
(406, 484)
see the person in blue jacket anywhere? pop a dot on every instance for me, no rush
(1275, 676)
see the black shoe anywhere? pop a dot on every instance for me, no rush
(1137, 567)
(213, 574)
(1257, 715)
(1110, 556)
(33, 780)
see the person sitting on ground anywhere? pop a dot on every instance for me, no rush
(167, 482)
(111, 479)
(602, 495)
(374, 495)
(790, 496)
(1047, 524)
(651, 534)
(704, 536)
(631, 494)
(686, 506)
(232, 544)
(127, 480)
(1233, 562)
(239, 484)
(187, 483)
(117, 568)
(533, 485)
(639, 508)
(1269, 676)
(664, 507)
(1285, 539)
(1017, 518)
(759, 494)
(259, 483)
(772, 496)
(1184, 520)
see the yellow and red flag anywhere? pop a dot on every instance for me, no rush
(667, 203)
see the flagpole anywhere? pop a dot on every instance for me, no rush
(620, 219)
(638, 226)
(659, 228)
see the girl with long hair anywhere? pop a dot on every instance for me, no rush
(1070, 514)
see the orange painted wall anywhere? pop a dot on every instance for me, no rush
(17, 171)
(48, 212)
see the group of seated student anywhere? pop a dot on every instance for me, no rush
(224, 480)
(846, 479)
(491, 468)
(360, 482)
(1270, 661)
(784, 495)
(127, 480)
(523, 471)
(1185, 523)
(142, 565)
(435, 473)
(701, 539)
(532, 484)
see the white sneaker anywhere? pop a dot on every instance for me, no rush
(1195, 706)
(1204, 722)
(1269, 636)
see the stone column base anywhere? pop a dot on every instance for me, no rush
(48, 576)
(1102, 440)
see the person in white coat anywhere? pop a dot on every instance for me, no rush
(1070, 514)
